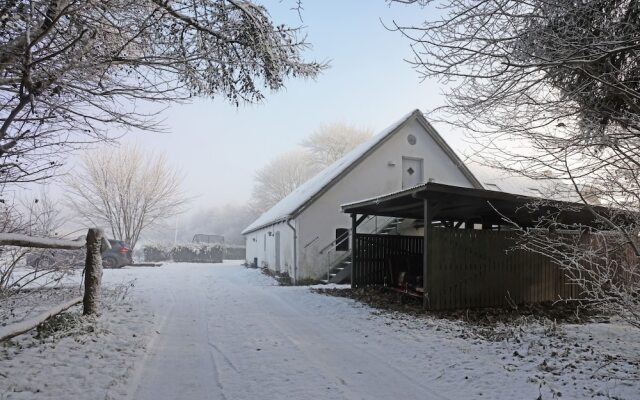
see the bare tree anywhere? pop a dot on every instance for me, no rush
(43, 213)
(73, 71)
(37, 216)
(602, 263)
(332, 141)
(11, 221)
(125, 189)
(288, 171)
(280, 177)
(550, 90)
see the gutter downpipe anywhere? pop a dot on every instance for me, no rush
(295, 250)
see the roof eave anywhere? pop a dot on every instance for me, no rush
(274, 222)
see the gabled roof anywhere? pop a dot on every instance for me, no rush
(305, 194)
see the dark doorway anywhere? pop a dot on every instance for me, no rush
(342, 239)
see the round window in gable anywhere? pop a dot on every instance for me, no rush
(411, 139)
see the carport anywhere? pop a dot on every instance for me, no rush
(466, 255)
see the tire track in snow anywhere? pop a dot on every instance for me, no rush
(204, 320)
(323, 368)
(322, 332)
(139, 369)
(226, 338)
(275, 317)
(181, 367)
(263, 327)
(221, 353)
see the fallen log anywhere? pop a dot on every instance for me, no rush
(13, 330)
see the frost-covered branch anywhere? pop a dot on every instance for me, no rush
(550, 90)
(73, 71)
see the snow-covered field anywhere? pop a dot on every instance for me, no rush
(204, 331)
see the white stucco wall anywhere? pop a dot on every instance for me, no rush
(372, 177)
(261, 244)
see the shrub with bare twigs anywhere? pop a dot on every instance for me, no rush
(550, 90)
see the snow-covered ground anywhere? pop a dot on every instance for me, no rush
(205, 331)
(86, 359)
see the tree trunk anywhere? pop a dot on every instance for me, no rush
(93, 272)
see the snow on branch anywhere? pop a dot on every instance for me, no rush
(16, 239)
(7, 332)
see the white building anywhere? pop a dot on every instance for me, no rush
(298, 234)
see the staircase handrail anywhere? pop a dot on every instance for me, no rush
(333, 258)
(341, 239)
(337, 241)
(345, 236)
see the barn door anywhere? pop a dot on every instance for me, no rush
(412, 174)
(278, 251)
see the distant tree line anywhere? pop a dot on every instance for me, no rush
(287, 171)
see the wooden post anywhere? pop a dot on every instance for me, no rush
(92, 272)
(426, 271)
(354, 254)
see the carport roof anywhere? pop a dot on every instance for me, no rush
(459, 204)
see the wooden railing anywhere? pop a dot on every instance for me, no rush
(371, 224)
(92, 275)
(374, 252)
(19, 240)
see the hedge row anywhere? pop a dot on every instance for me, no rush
(192, 252)
(184, 252)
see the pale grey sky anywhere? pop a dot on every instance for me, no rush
(219, 147)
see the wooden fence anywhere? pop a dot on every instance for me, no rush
(372, 254)
(476, 268)
(467, 268)
(92, 275)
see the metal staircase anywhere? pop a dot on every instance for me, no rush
(391, 227)
(341, 272)
(339, 267)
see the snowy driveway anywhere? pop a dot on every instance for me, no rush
(229, 333)
(226, 332)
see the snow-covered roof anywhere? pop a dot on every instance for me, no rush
(502, 181)
(305, 193)
(489, 178)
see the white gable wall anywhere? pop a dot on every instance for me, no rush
(373, 176)
(261, 244)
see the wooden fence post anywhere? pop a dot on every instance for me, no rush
(92, 272)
